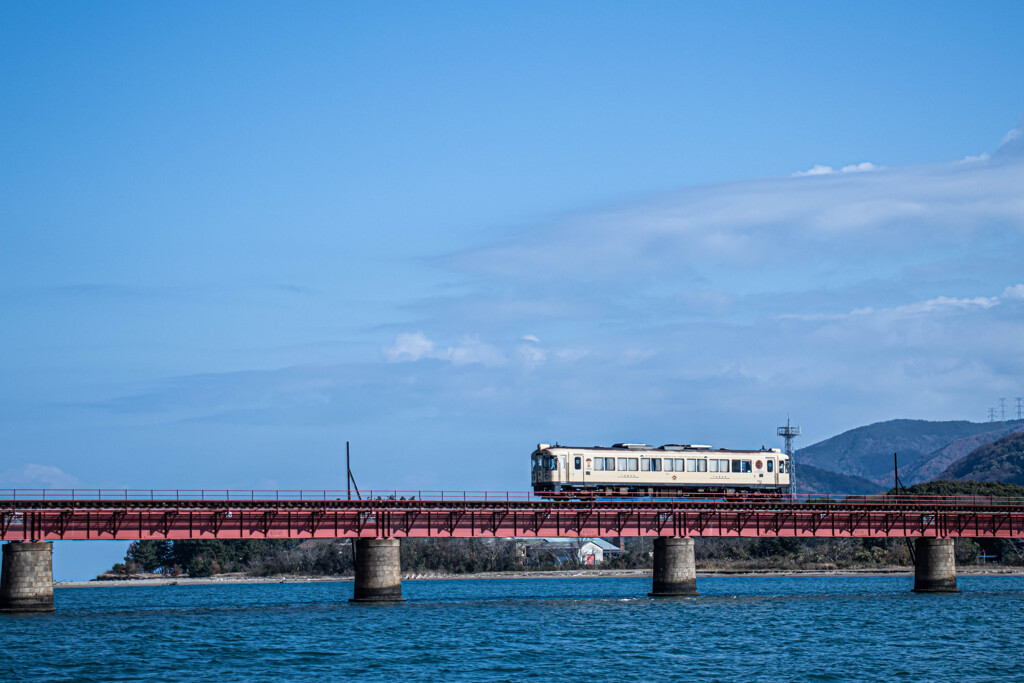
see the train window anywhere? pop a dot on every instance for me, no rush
(702, 465)
(632, 464)
(622, 464)
(553, 463)
(741, 466)
(713, 465)
(645, 464)
(679, 465)
(668, 464)
(579, 462)
(656, 464)
(691, 465)
(609, 463)
(771, 466)
(599, 464)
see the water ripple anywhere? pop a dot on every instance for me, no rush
(756, 629)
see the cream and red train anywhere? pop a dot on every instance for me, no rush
(639, 468)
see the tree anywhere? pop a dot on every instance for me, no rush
(147, 555)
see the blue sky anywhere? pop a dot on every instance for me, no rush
(235, 236)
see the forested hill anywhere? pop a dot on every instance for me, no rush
(814, 480)
(867, 451)
(934, 464)
(1001, 460)
(964, 488)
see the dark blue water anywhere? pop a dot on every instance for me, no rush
(749, 629)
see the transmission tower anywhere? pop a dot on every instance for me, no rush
(789, 433)
(1002, 410)
(991, 414)
(1020, 407)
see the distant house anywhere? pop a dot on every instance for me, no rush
(586, 551)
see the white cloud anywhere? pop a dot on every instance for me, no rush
(821, 169)
(531, 338)
(472, 350)
(409, 346)
(39, 476)
(939, 304)
(817, 169)
(945, 303)
(414, 346)
(736, 236)
(860, 168)
(1011, 136)
(532, 356)
(1014, 292)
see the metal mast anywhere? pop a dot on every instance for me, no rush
(789, 432)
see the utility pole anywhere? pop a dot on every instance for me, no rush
(350, 481)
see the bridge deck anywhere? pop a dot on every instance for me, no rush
(50, 515)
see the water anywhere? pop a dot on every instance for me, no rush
(749, 629)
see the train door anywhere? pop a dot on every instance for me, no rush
(577, 469)
(563, 470)
(773, 471)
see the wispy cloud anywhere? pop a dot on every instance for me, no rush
(941, 304)
(38, 476)
(414, 346)
(821, 169)
(709, 312)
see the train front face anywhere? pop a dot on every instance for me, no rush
(544, 469)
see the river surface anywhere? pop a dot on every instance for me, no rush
(738, 629)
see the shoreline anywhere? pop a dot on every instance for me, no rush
(238, 579)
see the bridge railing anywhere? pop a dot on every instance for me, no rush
(280, 495)
(305, 495)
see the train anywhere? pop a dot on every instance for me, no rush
(636, 468)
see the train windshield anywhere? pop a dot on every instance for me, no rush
(544, 462)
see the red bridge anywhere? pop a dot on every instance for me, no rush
(380, 518)
(50, 515)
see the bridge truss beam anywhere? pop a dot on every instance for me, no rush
(52, 520)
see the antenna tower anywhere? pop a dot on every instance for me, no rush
(789, 433)
(1002, 410)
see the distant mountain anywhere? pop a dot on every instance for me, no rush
(814, 480)
(934, 464)
(1001, 460)
(867, 451)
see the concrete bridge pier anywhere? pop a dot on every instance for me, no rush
(935, 566)
(378, 571)
(26, 577)
(674, 570)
